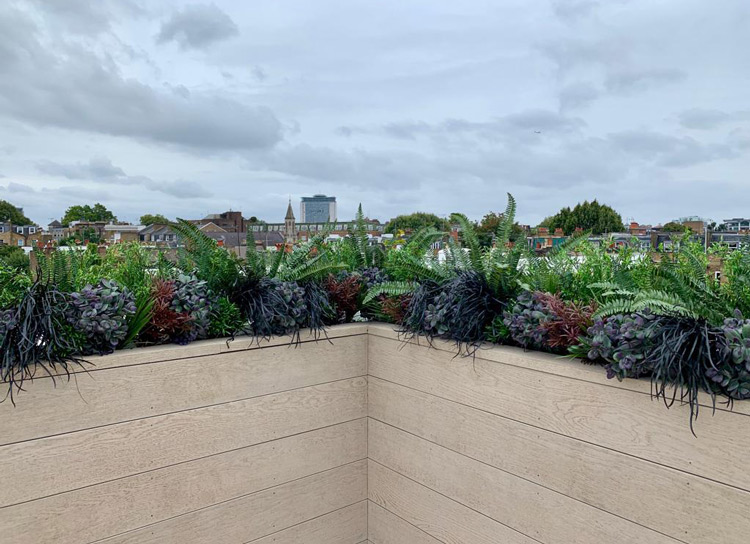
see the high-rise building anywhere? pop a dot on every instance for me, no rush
(317, 209)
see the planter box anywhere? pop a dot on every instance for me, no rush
(363, 437)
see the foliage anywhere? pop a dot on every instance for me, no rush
(525, 320)
(360, 253)
(226, 319)
(37, 337)
(569, 321)
(192, 297)
(101, 312)
(673, 226)
(67, 269)
(12, 214)
(732, 375)
(14, 257)
(128, 264)
(736, 285)
(621, 343)
(415, 222)
(202, 257)
(13, 286)
(488, 226)
(86, 212)
(153, 219)
(589, 216)
(343, 292)
(166, 324)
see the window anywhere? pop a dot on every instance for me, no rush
(20, 243)
(19, 230)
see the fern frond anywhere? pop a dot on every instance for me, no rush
(390, 288)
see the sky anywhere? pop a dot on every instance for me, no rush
(185, 108)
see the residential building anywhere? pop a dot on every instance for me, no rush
(737, 224)
(117, 234)
(20, 235)
(56, 230)
(696, 224)
(85, 230)
(318, 209)
(229, 221)
(158, 235)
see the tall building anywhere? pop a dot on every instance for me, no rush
(317, 209)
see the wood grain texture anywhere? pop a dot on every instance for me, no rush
(260, 514)
(529, 508)
(617, 419)
(681, 505)
(345, 526)
(387, 528)
(65, 462)
(437, 515)
(125, 393)
(99, 511)
(549, 363)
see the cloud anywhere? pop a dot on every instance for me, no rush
(197, 26)
(101, 169)
(88, 17)
(625, 81)
(573, 9)
(70, 87)
(706, 119)
(578, 95)
(670, 151)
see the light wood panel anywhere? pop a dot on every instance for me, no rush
(345, 526)
(435, 514)
(98, 511)
(669, 501)
(552, 364)
(260, 514)
(542, 514)
(74, 460)
(124, 393)
(613, 418)
(387, 528)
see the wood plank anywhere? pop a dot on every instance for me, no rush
(384, 527)
(681, 505)
(444, 519)
(542, 514)
(260, 514)
(65, 462)
(115, 507)
(550, 363)
(121, 394)
(345, 526)
(613, 418)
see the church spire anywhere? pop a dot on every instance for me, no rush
(289, 212)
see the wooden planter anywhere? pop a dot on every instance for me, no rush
(363, 437)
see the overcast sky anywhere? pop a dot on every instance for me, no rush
(411, 105)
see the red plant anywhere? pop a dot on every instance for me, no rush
(570, 322)
(165, 324)
(343, 294)
(395, 307)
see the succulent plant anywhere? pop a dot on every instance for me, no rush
(526, 318)
(732, 375)
(292, 312)
(622, 343)
(101, 313)
(192, 297)
(373, 276)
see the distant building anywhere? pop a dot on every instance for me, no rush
(696, 224)
(228, 221)
(737, 224)
(317, 209)
(118, 234)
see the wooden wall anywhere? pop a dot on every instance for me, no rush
(513, 447)
(204, 444)
(271, 444)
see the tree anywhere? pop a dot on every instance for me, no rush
(589, 216)
(97, 212)
(416, 221)
(488, 226)
(14, 257)
(674, 226)
(154, 219)
(11, 214)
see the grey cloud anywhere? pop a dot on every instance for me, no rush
(577, 95)
(670, 151)
(703, 119)
(85, 16)
(573, 9)
(197, 26)
(101, 169)
(69, 87)
(624, 81)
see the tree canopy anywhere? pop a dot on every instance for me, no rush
(487, 227)
(416, 221)
(589, 216)
(674, 226)
(154, 219)
(97, 212)
(12, 214)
